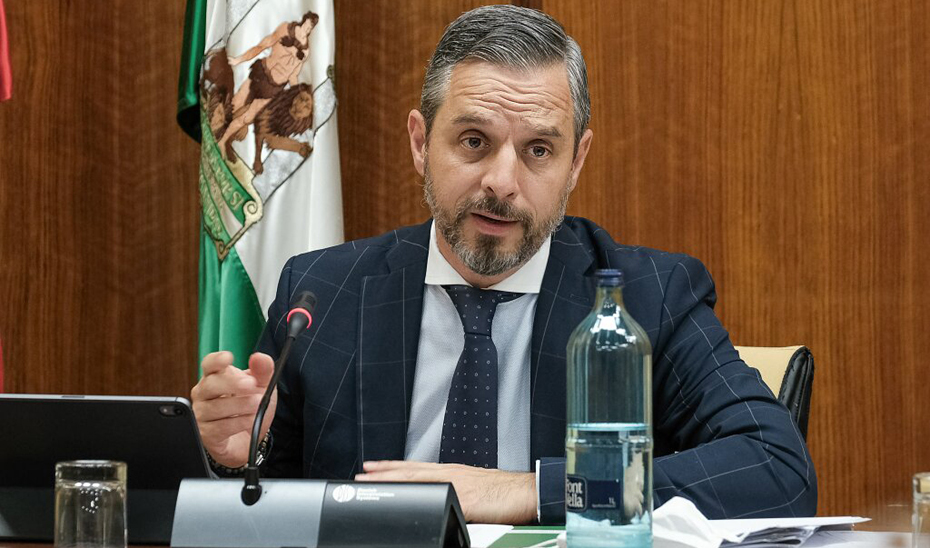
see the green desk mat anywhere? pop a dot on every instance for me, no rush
(524, 536)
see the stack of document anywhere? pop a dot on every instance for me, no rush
(781, 531)
(678, 524)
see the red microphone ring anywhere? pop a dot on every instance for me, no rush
(300, 311)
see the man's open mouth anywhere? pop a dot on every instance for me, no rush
(493, 219)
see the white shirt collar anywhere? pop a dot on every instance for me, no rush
(527, 279)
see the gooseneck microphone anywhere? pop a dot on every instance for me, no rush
(299, 318)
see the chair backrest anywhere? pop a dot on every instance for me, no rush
(789, 372)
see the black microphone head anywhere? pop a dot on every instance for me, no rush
(300, 315)
(305, 300)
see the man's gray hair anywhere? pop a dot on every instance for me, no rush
(508, 36)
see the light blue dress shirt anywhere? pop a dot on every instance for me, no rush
(441, 342)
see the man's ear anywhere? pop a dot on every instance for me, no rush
(578, 162)
(416, 127)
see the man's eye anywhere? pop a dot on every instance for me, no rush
(539, 151)
(472, 142)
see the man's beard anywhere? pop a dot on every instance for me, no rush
(485, 256)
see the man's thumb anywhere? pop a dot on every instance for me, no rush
(261, 367)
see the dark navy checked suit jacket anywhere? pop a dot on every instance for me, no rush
(721, 438)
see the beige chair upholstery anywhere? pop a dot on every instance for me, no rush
(789, 372)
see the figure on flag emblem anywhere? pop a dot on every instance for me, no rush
(271, 97)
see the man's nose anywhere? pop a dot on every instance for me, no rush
(500, 179)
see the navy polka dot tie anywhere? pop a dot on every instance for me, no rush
(469, 430)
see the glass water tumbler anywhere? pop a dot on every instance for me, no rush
(90, 504)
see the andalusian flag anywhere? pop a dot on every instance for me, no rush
(257, 89)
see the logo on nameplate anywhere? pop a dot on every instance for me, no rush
(344, 493)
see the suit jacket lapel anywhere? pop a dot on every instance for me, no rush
(565, 298)
(389, 334)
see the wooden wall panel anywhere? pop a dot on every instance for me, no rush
(864, 72)
(98, 240)
(786, 144)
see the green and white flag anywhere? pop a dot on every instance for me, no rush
(257, 85)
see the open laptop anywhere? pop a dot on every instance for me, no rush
(156, 437)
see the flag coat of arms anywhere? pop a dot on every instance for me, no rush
(257, 88)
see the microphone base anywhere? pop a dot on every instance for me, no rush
(318, 514)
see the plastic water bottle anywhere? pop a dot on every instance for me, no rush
(608, 484)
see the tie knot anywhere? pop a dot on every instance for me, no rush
(476, 306)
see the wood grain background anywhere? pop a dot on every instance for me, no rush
(785, 143)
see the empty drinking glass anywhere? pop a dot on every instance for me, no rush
(90, 504)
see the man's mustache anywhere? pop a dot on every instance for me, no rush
(494, 206)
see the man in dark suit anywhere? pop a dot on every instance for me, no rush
(372, 389)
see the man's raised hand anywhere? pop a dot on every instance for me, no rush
(225, 401)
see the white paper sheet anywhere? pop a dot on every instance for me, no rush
(483, 535)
